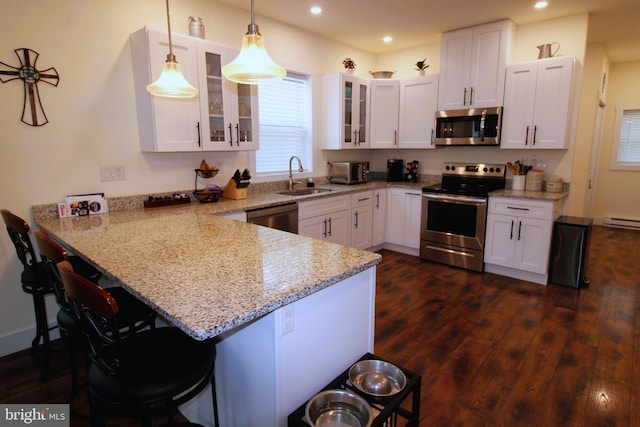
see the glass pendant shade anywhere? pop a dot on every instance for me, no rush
(171, 83)
(253, 64)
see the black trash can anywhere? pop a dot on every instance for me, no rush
(570, 251)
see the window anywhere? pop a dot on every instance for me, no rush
(625, 154)
(285, 125)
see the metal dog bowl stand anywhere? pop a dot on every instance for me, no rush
(388, 411)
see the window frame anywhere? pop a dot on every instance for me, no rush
(615, 143)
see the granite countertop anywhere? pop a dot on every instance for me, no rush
(530, 195)
(204, 273)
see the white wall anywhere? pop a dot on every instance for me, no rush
(617, 191)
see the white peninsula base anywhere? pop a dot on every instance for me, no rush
(269, 367)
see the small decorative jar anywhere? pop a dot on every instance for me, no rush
(196, 28)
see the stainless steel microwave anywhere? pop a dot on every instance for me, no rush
(349, 172)
(473, 126)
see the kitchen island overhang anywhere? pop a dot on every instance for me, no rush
(215, 277)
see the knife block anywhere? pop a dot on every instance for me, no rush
(235, 191)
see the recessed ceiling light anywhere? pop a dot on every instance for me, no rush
(541, 4)
(316, 10)
(387, 39)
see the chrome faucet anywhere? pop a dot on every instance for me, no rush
(291, 182)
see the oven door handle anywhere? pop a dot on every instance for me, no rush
(455, 198)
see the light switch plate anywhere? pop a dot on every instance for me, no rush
(112, 173)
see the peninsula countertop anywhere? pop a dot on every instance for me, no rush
(204, 273)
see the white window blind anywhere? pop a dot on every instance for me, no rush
(629, 137)
(625, 147)
(285, 124)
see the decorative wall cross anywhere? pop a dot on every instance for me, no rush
(30, 76)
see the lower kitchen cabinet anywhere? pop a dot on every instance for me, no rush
(379, 216)
(403, 219)
(518, 237)
(362, 220)
(327, 219)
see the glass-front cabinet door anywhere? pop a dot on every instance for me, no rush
(231, 108)
(355, 107)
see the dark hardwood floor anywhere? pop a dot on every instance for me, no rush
(492, 351)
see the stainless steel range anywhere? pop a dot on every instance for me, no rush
(454, 214)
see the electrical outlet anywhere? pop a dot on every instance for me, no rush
(112, 173)
(287, 319)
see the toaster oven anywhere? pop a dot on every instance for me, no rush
(350, 172)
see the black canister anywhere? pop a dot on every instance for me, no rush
(395, 170)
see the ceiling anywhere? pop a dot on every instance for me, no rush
(363, 23)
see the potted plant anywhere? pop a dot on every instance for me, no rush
(422, 66)
(349, 65)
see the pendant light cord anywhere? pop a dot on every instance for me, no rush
(253, 28)
(170, 57)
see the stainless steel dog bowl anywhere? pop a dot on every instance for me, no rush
(377, 378)
(338, 408)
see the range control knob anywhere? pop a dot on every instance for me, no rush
(484, 169)
(498, 170)
(491, 170)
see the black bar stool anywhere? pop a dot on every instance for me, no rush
(34, 282)
(134, 315)
(140, 375)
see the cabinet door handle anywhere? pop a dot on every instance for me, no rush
(517, 208)
(432, 141)
(363, 199)
(535, 132)
(526, 136)
(511, 235)
(471, 97)
(395, 137)
(464, 97)
(356, 218)
(329, 232)
(230, 136)
(378, 201)
(519, 229)
(324, 228)
(237, 134)
(198, 127)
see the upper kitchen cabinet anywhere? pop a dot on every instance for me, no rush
(345, 109)
(538, 104)
(224, 115)
(385, 104)
(418, 105)
(472, 65)
(402, 112)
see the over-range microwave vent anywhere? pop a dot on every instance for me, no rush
(468, 127)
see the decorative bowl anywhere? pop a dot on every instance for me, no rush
(207, 196)
(338, 408)
(381, 74)
(377, 378)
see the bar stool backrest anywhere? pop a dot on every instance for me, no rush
(19, 233)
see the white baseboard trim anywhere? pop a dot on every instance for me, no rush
(21, 340)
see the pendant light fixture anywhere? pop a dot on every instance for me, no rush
(171, 83)
(253, 64)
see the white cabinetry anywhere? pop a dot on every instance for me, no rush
(362, 220)
(385, 105)
(472, 65)
(403, 219)
(538, 104)
(223, 116)
(518, 237)
(418, 105)
(327, 218)
(403, 111)
(379, 216)
(345, 107)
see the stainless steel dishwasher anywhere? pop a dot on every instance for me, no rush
(281, 217)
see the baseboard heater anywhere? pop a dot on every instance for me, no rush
(622, 222)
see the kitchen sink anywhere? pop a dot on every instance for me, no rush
(305, 191)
